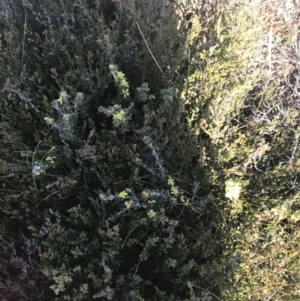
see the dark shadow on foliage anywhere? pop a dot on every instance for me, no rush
(99, 166)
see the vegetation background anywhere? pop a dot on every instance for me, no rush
(149, 150)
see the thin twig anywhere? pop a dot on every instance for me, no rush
(47, 198)
(24, 33)
(147, 140)
(13, 6)
(296, 144)
(129, 235)
(137, 268)
(270, 297)
(151, 51)
(270, 48)
(24, 99)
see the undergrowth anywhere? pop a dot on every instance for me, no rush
(149, 150)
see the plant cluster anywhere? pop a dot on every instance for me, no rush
(149, 150)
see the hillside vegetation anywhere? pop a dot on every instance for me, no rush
(149, 150)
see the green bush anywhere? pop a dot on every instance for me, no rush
(149, 150)
(240, 100)
(97, 154)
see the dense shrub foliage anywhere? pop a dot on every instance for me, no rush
(149, 150)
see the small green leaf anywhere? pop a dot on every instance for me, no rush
(174, 190)
(151, 213)
(123, 194)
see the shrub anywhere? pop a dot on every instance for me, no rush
(98, 147)
(149, 150)
(239, 101)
